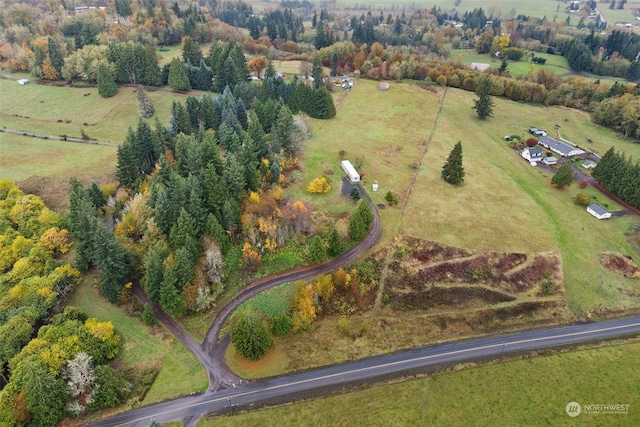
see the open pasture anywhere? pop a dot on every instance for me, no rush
(516, 392)
(69, 110)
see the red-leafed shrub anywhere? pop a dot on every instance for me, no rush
(583, 183)
(532, 142)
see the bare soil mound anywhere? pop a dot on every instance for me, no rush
(620, 264)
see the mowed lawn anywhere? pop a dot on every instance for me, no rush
(507, 205)
(69, 110)
(22, 157)
(531, 392)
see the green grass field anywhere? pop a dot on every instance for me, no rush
(22, 157)
(531, 392)
(46, 109)
(620, 15)
(507, 205)
(501, 8)
(556, 63)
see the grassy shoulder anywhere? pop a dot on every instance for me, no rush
(528, 391)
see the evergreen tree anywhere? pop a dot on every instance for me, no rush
(127, 169)
(564, 177)
(282, 132)
(154, 272)
(484, 104)
(241, 113)
(185, 228)
(334, 64)
(106, 82)
(123, 8)
(110, 259)
(81, 209)
(57, 60)
(334, 243)
(145, 147)
(145, 106)
(322, 106)
(317, 250)
(251, 338)
(178, 78)
(191, 51)
(96, 196)
(215, 230)
(453, 171)
(360, 221)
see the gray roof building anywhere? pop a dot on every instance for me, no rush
(562, 148)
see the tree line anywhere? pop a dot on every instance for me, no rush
(620, 175)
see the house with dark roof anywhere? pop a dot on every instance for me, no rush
(562, 148)
(598, 211)
(532, 154)
(589, 164)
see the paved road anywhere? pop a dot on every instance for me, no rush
(211, 346)
(422, 359)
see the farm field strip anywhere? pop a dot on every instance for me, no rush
(515, 388)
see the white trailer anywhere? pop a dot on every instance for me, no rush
(351, 172)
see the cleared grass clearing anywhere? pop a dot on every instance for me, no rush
(518, 392)
(387, 130)
(46, 109)
(507, 205)
(556, 63)
(22, 157)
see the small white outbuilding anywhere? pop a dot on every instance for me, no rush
(23, 81)
(351, 172)
(598, 211)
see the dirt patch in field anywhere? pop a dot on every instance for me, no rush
(620, 264)
(448, 297)
(54, 192)
(418, 265)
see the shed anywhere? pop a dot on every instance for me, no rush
(532, 154)
(383, 86)
(551, 160)
(589, 164)
(23, 81)
(598, 211)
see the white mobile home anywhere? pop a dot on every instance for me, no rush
(351, 172)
